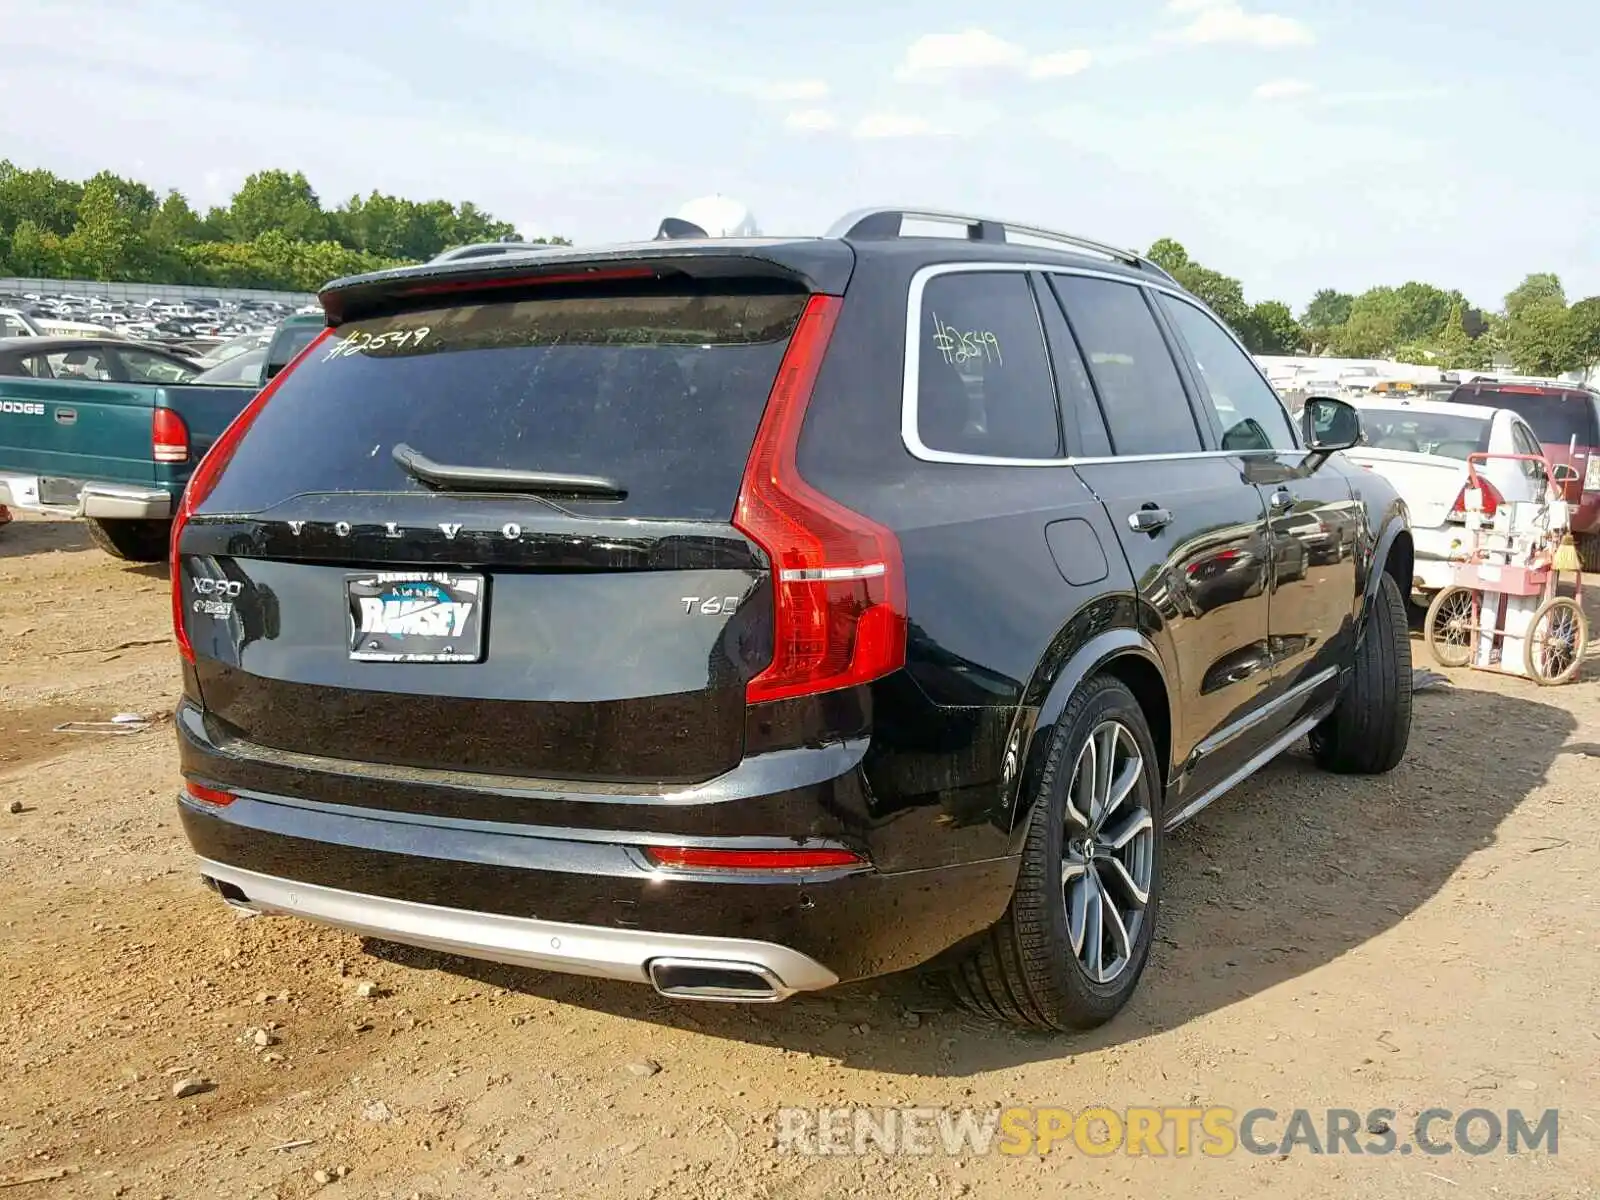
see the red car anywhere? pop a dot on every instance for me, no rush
(1566, 418)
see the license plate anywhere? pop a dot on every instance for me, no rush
(416, 617)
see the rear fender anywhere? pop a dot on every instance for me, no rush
(1076, 658)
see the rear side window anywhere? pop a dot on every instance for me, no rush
(1140, 390)
(983, 378)
(1557, 417)
(660, 392)
(1248, 412)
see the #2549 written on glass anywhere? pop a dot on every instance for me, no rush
(965, 345)
(395, 339)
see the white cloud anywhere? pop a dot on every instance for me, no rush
(940, 55)
(1228, 22)
(810, 120)
(1283, 89)
(894, 125)
(1054, 66)
(791, 90)
(937, 57)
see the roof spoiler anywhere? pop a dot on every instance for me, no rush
(809, 265)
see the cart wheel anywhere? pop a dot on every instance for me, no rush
(1448, 627)
(1557, 638)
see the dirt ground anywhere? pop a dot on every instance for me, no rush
(1424, 940)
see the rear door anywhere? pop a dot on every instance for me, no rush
(1192, 527)
(1314, 522)
(341, 606)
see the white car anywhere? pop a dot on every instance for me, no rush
(1421, 447)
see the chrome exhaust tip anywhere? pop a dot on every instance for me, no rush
(716, 980)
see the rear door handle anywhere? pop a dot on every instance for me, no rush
(1149, 519)
(1281, 501)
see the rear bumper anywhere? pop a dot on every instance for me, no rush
(85, 498)
(626, 954)
(583, 900)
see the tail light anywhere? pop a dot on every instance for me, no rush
(837, 579)
(1489, 500)
(169, 436)
(699, 858)
(208, 795)
(204, 480)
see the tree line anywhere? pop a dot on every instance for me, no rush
(274, 233)
(1535, 330)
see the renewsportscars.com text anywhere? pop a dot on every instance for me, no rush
(1162, 1131)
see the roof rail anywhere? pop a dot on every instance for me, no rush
(865, 223)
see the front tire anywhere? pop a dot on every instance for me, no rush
(134, 541)
(1070, 949)
(1366, 734)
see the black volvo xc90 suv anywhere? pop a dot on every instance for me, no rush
(743, 616)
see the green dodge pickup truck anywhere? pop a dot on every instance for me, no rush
(119, 454)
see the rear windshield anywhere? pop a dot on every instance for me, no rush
(1557, 417)
(661, 393)
(1425, 433)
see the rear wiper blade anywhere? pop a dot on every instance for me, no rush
(450, 477)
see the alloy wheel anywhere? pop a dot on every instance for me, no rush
(1108, 857)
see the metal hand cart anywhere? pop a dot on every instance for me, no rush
(1506, 610)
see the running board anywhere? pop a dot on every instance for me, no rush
(1293, 735)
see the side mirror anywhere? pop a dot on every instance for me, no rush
(1328, 424)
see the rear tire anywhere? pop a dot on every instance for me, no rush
(1366, 734)
(1589, 550)
(134, 541)
(1029, 969)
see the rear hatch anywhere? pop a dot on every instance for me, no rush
(492, 533)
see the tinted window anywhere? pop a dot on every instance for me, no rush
(1080, 410)
(1138, 383)
(983, 379)
(660, 392)
(1557, 417)
(1248, 412)
(1406, 429)
(144, 367)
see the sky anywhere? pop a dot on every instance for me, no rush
(1293, 145)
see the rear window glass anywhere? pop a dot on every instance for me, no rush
(1425, 433)
(1557, 418)
(661, 393)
